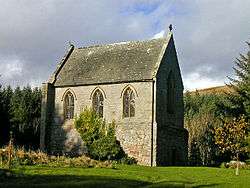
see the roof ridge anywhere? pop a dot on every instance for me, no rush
(120, 43)
(163, 49)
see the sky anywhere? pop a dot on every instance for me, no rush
(208, 34)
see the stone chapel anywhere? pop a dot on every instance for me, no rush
(137, 84)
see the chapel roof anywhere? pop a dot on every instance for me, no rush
(118, 62)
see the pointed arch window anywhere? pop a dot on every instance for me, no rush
(171, 93)
(69, 106)
(97, 102)
(128, 103)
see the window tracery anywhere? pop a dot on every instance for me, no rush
(69, 106)
(128, 103)
(97, 102)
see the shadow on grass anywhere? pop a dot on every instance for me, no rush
(177, 184)
(66, 181)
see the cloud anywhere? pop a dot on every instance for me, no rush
(159, 35)
(196, 81)
(11, 69)
(208, 34)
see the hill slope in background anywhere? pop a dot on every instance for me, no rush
(213, 90)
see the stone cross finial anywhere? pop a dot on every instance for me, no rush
(170, 27)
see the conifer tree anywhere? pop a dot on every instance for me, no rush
(241, 84)
(240, 98)
(25, 116)
(5, 97)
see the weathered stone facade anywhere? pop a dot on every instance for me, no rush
(153, 136)
(171, 139)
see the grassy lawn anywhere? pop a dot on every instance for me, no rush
(126, 176)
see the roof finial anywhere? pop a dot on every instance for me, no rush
(71, 44)
(170, 27)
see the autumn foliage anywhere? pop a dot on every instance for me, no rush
(231, 136)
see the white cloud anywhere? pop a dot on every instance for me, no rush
(11, 71)
(159, 35)
(195, 81)
(10, 68)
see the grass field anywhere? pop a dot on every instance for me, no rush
(126, 176)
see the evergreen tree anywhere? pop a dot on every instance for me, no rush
(25, 111)
(20, 113)
(5, 97)
(240, 99)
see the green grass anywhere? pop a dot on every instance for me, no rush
(126, 176)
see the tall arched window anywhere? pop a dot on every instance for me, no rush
(128, 103)
(171, 93)
(97, 102)
(69, 106)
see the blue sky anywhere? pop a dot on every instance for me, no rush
(209, 34)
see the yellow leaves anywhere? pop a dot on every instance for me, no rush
(231, 136)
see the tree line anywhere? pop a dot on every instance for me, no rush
(218, 123)
(20, 111)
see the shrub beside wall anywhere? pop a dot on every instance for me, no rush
(99, 136)
(22, 157)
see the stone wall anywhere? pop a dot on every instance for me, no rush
(171, 147)
(47, 112)
(171, 141)
(134, 133)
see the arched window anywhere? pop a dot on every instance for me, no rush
(170, 93)
(128, 103)
(97, 102)
(69, 106)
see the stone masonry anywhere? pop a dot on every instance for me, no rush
(153, 136)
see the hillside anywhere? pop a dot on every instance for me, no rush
(213, 90)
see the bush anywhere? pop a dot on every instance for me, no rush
(82, 161)
(98, 136)
(90, 126)
(30, 157)
(22, 157)
(128, 160)
(105, 148)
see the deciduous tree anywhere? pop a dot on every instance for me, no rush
(231, 137)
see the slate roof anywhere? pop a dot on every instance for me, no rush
(119, 62)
